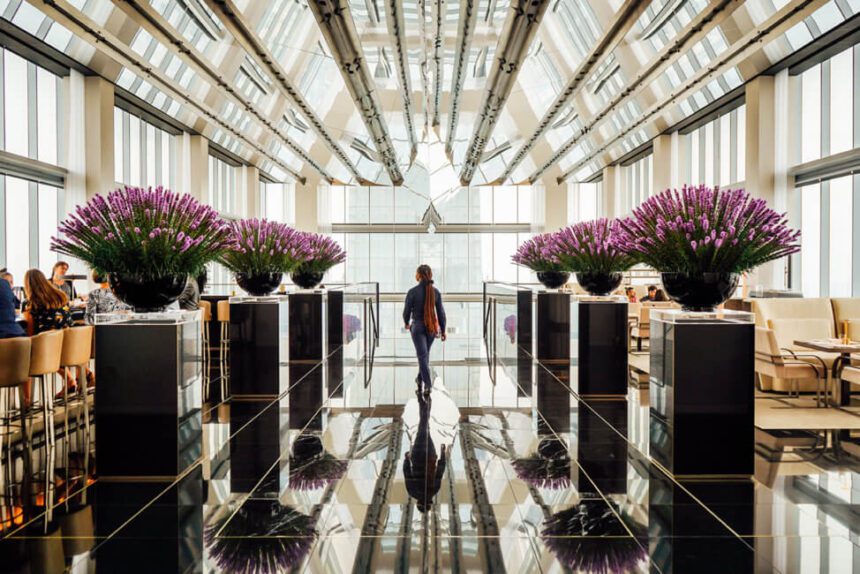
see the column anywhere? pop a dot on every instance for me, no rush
(307, 214)
(664, 174)
(555, 212)
(98, 129)
(192, 166)
(249, 190)
(760, 163)
(611, 189)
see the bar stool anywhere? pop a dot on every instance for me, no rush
(14, 372)
(77, 349)
(45, 353)
(224, 351)
(206, 307)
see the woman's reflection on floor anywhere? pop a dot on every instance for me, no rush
(431, 438)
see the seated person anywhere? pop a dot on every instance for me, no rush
(58, 274)
(101, 299)
(189, 299)
(11, 280)
(47, 306)
(652, 292)
(9, 327)
(660, 296)
(630, 293)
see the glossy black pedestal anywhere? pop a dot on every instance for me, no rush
(701, 392)
(601, 447)
(258, 439)
(685, 537)
(147, 408)
(258, 347)
(160, 537)
(599, 333)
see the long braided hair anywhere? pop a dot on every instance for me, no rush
(431, 322)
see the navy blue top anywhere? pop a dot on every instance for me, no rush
(8, 326)
(414, 308)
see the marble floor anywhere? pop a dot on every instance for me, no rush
(489, 474)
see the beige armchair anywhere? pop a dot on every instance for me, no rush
(791, 320)
(640, 327)
(788, 365)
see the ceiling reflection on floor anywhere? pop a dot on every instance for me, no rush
(478, 477)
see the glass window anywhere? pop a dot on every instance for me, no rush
(31, 220)
(715, 152)
(278, 202)
(144, 154)
(222, 185)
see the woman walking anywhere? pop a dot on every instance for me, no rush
(424, 316)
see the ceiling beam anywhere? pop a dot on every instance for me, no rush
(143, 13)
(438, 59)
(397, 30)
(465, 31)
(712, 16)
(621, 23)
(338, 28)
(520, 28)
(749, 44)
(236, 23)
(107, 43)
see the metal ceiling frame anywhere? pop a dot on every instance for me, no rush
(516, 37)
(623, 20)
(107, 43)
(338, 29)
(438, 59)
(465, 28)
(142, 13)
(793, 12)
(708, 19)
(238, 27)
(397, 29)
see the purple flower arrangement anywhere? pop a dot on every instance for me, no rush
(147, 232)
(703, 230)
(588, 247)
(321, 253)
(259, 246)
(538, 254)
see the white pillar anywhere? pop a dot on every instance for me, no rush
(249, 190)
(760, 163)
(98, 130)
(555, 201)
(610, 191)
(664, 163)
(192, 166)
(307, 214)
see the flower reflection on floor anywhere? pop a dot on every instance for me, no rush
(589, 537)
(549, 467)
(311, 466)
(263, 536)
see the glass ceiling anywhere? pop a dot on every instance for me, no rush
(652, 77)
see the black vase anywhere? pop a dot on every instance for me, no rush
(598, 283)
(147, 294)
(258, 284)
(553, 279)
(699, 291)
(307, 279)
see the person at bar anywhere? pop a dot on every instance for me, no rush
(9, 326)
(6, 276)
(652, 293)
(101, 299)
(58, 279)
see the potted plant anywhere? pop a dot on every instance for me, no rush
(586, 248)
(537, 254)
(260, 252)
(149, 241)
(322, 253)
(702, 239)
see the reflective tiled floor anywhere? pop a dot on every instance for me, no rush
(484, 476)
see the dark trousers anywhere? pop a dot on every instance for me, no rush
(422, 341)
